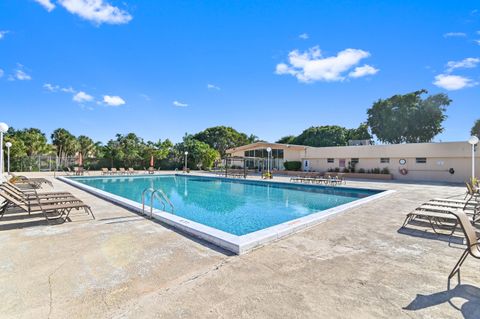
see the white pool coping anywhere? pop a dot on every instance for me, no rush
(236, 244)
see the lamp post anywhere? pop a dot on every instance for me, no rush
(269, 151)
(8, 145)
(3, 129)
(473, 141)
(186, 154)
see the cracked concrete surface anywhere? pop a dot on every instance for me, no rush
(121, 265)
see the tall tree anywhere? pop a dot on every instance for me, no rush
(200, 154)
(408, 118)
(85, 145)
(222, 138)
(65, 144)
(359, 133)
(476, 129)
(289, 139)
(35, 141)
(330, 135)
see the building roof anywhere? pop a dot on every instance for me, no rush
(258, 145)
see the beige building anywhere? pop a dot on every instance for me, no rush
(448, 161)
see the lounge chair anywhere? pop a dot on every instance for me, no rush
(61, 208)
(151, 170)
(37, 181)
(472, 192)
(33, 192)
(473, 244)
(113, 171)
(131, 171)
(437, 216)
(105, 171)
(122, 171)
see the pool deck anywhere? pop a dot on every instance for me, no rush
(359, 264)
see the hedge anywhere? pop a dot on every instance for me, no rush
(292, 166)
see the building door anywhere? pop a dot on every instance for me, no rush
(305, 166)
(341, 163)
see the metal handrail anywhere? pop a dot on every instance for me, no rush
(155, 192)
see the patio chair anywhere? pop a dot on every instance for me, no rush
(122, 171)
(472, 191)
(473, 244)
(61, 208)
(33, 193)
(113, 171)
(105, 171)
(39, 199)
(151, 170)
(131, 170)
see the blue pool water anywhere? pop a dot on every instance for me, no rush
(237, 207)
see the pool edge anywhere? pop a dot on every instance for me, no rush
(236, 244)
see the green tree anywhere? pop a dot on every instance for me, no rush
(330, 135)
(200, 154)
(35, 141)
(408, 118)
(86, 146)
(360, 133)
(289, 139)
(65, 144)
(476, 129)
(222, 138)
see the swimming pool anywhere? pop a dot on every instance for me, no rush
(233, 208)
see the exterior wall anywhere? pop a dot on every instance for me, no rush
(440, 158)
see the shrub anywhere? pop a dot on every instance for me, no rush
(361, 171)
(376, 171)
(385, 170)
(292, 165)
(337, 170)
(345, 170)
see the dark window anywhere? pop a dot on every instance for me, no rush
(421, 160)
(354, 160)
(330, 160)
(385, 160)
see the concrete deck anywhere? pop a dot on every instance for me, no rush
(357, 265)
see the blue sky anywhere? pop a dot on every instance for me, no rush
(271, 68)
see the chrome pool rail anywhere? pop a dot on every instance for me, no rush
(161, 196)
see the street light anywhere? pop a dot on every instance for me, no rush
(473, 141)
(269, 150)
(3, 129)
(8, 145)
(186, 153)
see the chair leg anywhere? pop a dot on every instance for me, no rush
(459, 264)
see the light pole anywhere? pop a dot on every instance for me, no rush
(8, 145)
(473, 141)
(269, 150)
(3, 129)
(186, 154)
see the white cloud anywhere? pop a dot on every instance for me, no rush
(1, 73)
(2, 33)
(303, 36)
(47, 4)
(467, 63)
(146, 97)
(50, 87)
(454, 35)
(310, 66)
(477, 41)
(213, 87)
(22, 76)
(180, 104)
(364, 70)
(81, 97)
(98, 11)
(113, 100)
(453, 82)
(68, 90)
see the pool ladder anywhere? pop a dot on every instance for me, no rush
(161, 196)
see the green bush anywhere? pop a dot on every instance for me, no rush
(337, 170)
(385, 170)
(292, 165)
(361, 171)
(345, 170)
(376, 171)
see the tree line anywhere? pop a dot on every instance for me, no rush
(408, 118)
(129, 150)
